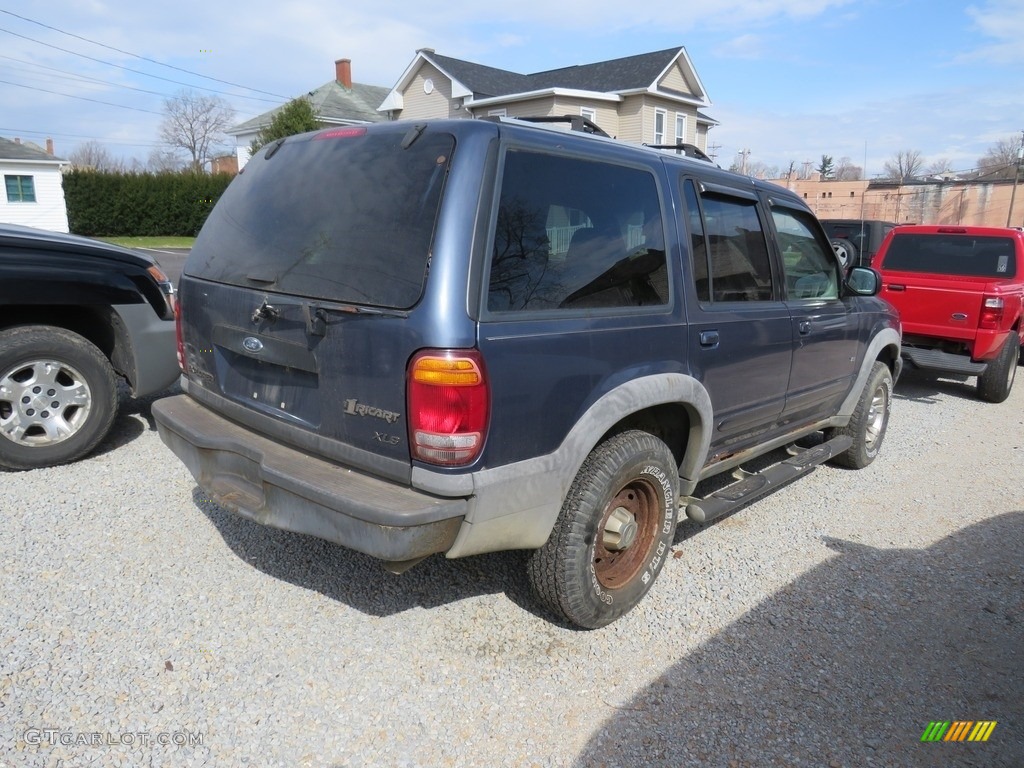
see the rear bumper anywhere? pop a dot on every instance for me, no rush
(282, 487)
(942, 362)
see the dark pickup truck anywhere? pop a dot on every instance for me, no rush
(959, 292)
(76, 315)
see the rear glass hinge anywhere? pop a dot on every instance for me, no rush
(316, 320)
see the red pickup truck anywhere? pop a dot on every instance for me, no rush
(959, 293)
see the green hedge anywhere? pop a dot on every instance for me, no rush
(104, 204)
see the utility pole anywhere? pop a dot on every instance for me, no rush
(1016, 176)
(743, 162)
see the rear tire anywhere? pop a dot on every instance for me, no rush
(58, 397)
(846, 251)
(613, 534)
(870, 419)
(995, 383)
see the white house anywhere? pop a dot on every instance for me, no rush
(337, 102)
(33, 193)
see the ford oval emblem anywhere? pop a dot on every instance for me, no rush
(252, 344)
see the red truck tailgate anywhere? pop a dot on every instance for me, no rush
(947, 306)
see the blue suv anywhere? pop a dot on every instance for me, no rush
(466, 336)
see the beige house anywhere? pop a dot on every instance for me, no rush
(652, 98)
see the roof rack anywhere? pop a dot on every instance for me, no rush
(690, 150)
(576, 122)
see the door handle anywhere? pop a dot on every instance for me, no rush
(897, 287)
(804, 326)
(709, 339)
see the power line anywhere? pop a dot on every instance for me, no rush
(76, 76)
(144, 58)
(82, 98)
(137, 71)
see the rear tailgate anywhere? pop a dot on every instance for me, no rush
(943, 306)
(294, 318)
(939, 278)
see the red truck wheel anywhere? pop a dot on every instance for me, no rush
(995, 383)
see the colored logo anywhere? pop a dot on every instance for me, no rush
(958, 730)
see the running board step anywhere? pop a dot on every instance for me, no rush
(754, 486)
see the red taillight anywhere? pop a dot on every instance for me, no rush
(177, 337)
(991, 313)
(449, 405)
(341, 133)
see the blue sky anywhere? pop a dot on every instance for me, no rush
(790, 80)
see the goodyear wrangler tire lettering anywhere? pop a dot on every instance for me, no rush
(613, 533)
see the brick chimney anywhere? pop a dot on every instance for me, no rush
(343, 72)
(49, 146)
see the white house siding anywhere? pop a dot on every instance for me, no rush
(418, 105)
(49, 211)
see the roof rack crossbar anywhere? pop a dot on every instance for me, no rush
(690, 150)
(576, 122)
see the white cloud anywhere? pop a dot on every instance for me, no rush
(1002, 21)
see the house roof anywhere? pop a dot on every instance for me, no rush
(27, 152)
(628, 74)
(332, 103)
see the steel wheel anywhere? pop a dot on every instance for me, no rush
(613, 534)
(628, 527)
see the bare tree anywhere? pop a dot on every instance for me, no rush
(195, 124)
(1000, 159)
(164, 161)
(939, 167)
(94, 156)
(904, 165)
(847, 171)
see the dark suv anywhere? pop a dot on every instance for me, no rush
(856, 241)
(475, 335)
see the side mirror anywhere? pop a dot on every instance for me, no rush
(864, 281)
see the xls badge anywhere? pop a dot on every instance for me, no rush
(354, 408)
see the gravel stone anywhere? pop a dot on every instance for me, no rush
(827, 624)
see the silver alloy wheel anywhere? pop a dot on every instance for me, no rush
(876, 416)
(43, 402)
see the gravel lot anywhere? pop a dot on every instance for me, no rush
(824, 626)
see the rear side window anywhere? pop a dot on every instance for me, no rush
(730, 254)
(345, 215)
(576, 234)
(952, 254)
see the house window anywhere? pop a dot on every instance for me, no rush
(680, 128)
(497, 113)
(588, 114)
(20, 189)
(660, 116)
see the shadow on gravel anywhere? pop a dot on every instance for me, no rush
(848, 665)
(921, 387)
(358, 580)
(134, 418)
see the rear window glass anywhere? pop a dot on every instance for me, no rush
(342, 218)
(952, 254)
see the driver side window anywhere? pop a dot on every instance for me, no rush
(809, 269)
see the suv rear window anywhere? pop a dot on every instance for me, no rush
(346, 215)
(952, 254)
